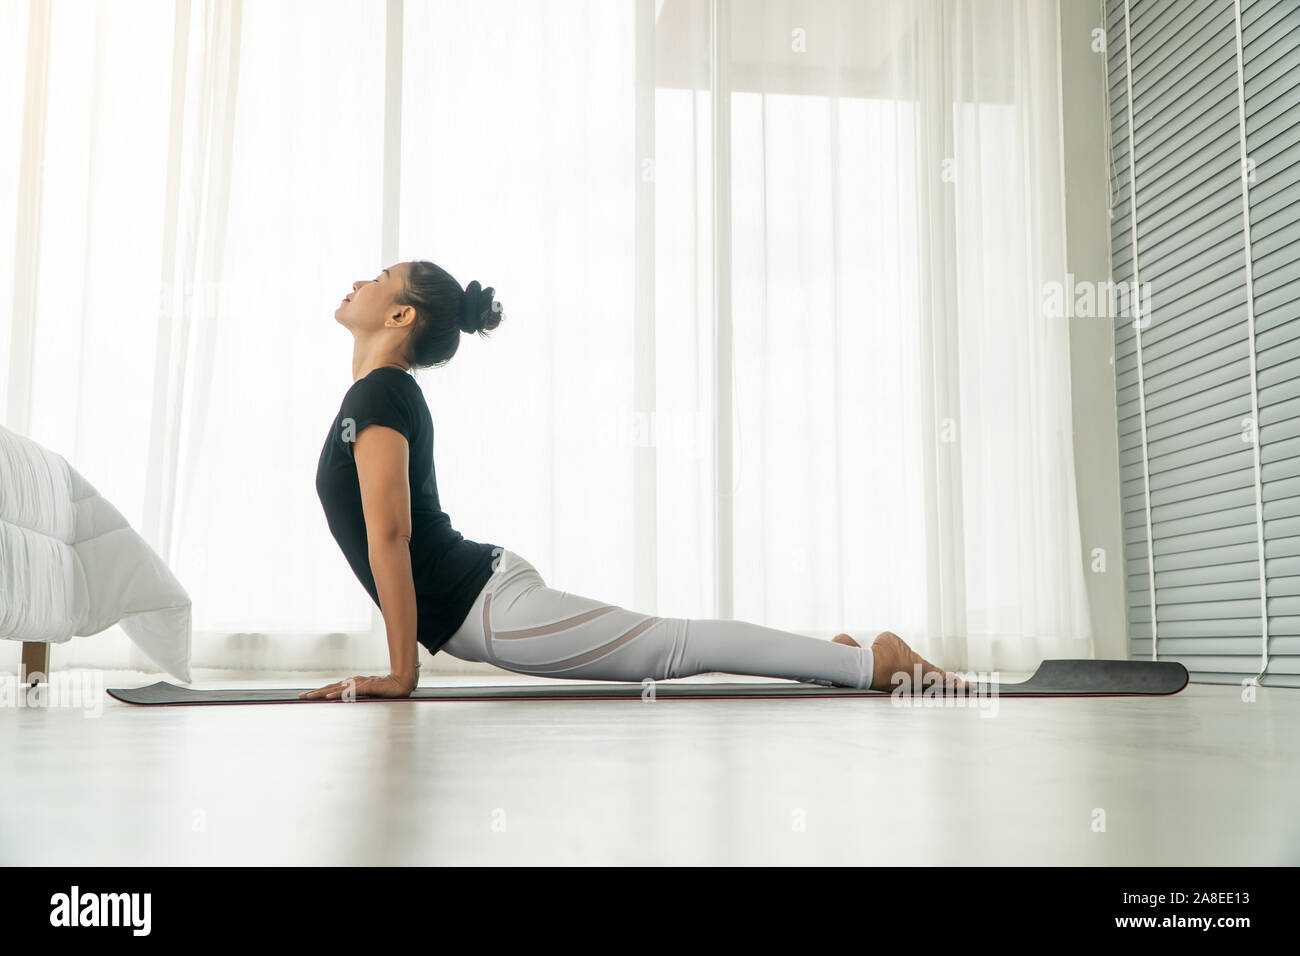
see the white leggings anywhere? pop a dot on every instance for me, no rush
(521, 625)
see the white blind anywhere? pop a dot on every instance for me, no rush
(1189, 217)
(1270, 58)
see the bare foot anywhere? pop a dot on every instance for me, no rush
(891, 656)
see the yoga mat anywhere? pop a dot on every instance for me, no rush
(1056, 678)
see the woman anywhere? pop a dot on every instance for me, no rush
(479, 602)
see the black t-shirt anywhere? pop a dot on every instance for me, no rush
(449, 570)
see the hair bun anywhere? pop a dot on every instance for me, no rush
(478, 311)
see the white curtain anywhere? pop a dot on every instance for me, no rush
(191, 185)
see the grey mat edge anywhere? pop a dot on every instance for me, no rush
(1053, 678)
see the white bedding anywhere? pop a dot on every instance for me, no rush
(70, 564)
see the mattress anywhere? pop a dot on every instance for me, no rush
(71, 565)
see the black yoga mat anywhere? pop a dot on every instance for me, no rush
(1062, 678)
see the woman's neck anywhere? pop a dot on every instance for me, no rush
(366, 359)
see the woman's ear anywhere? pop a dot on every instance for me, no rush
(401, 318)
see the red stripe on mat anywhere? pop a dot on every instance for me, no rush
(634, 700)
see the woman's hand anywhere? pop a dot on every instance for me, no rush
(388, 686)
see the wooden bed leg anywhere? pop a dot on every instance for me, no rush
(36, 660)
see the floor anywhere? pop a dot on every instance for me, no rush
(1200, 778)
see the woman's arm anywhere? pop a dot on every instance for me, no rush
(381, 455)
(382, 467)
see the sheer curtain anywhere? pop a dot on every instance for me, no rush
(880, 439)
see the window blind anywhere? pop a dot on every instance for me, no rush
(1211, 501)
(1270, 63)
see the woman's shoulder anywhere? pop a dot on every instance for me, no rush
(381, 397)
(387, 380)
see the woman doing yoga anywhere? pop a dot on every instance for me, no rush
(480, 602)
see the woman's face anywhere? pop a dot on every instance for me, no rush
(370, 306)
